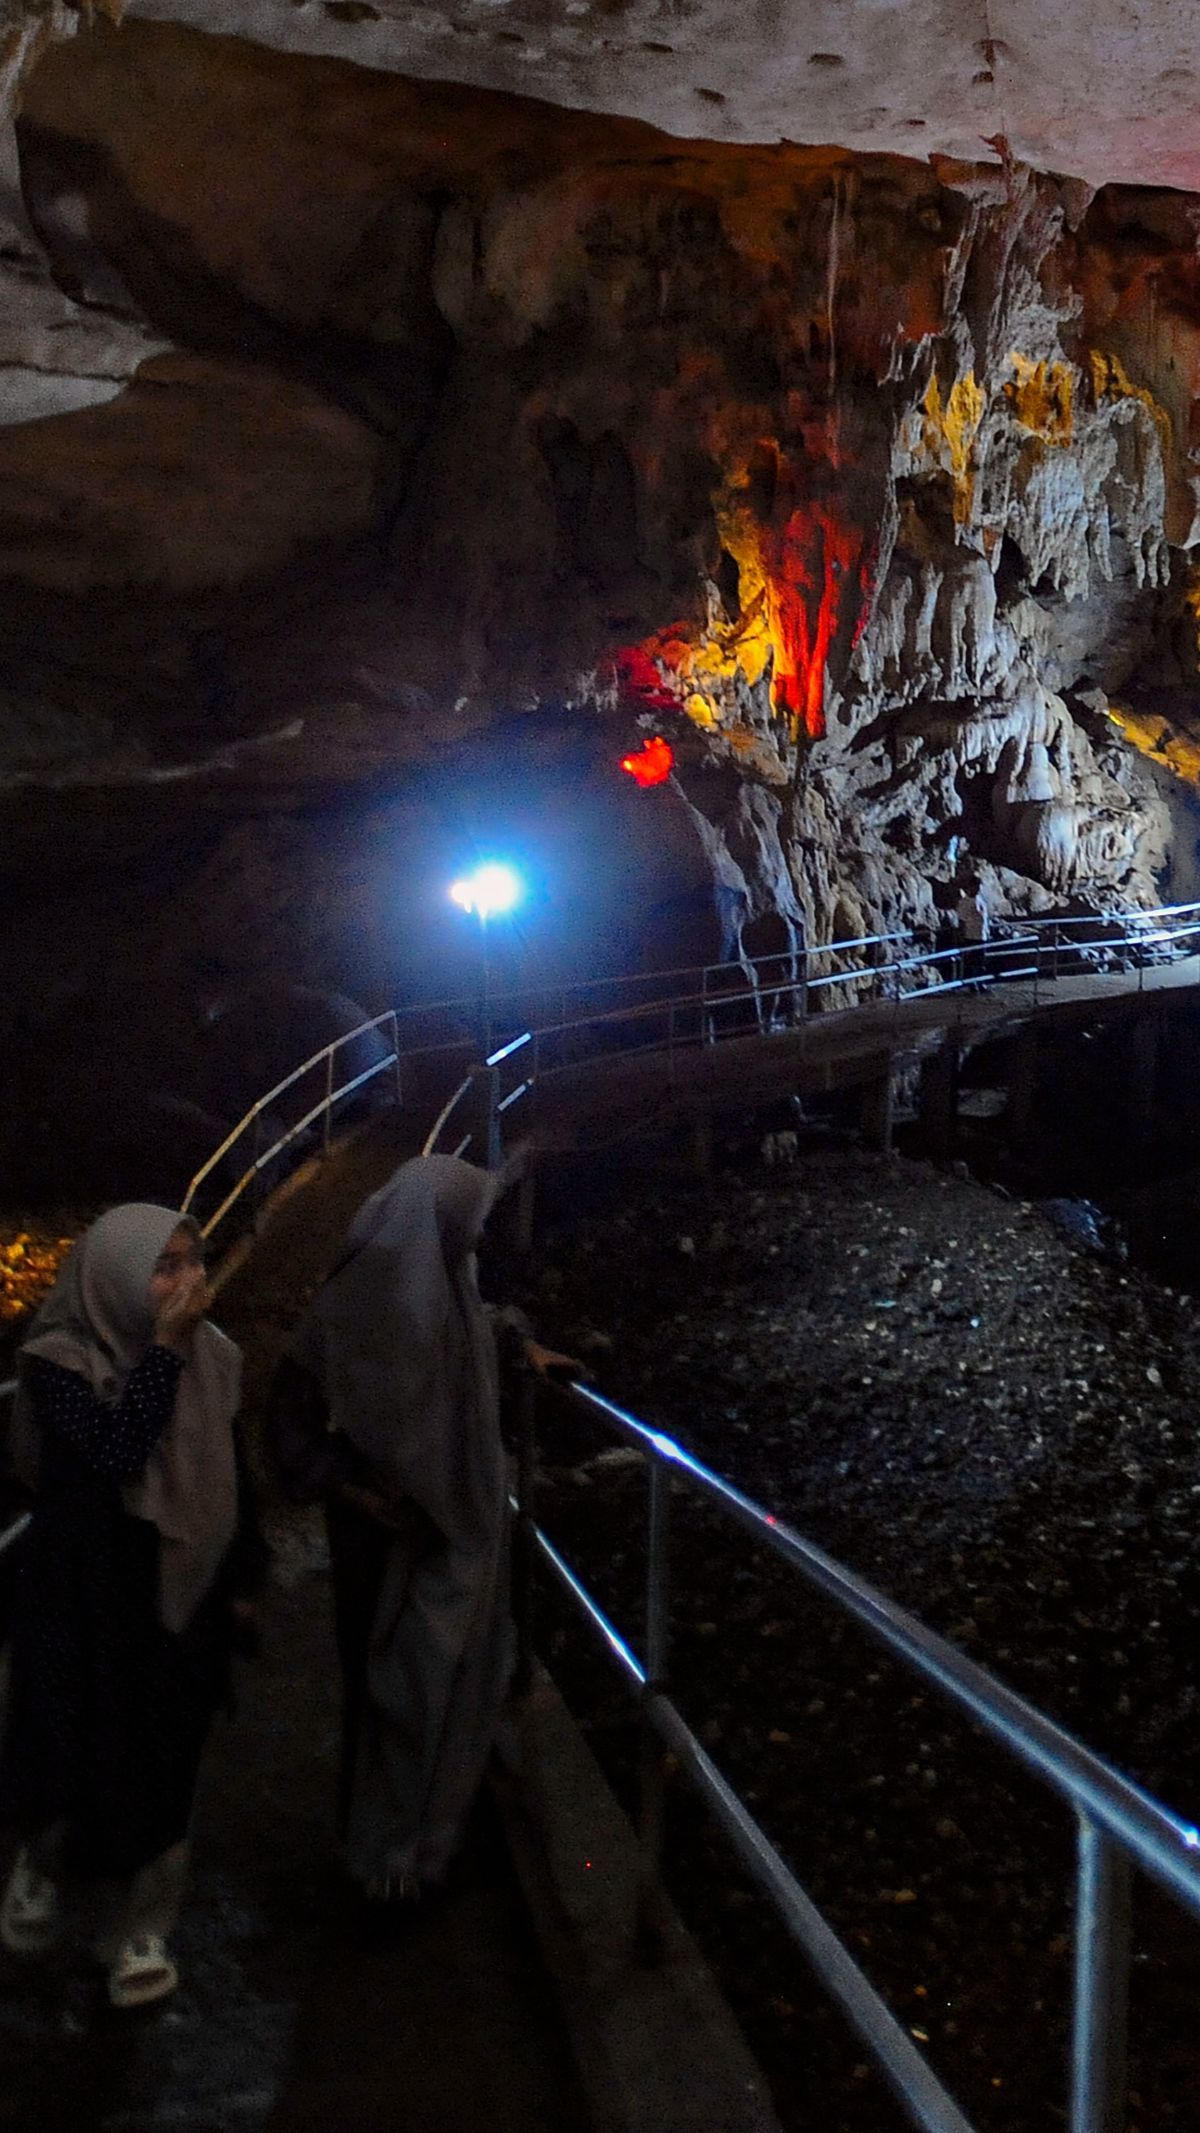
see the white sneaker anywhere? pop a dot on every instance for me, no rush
(30, 1914)
(142, 1971)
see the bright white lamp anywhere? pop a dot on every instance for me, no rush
(487, 893)
(492, 889)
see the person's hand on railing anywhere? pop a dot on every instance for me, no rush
(548, 1363)
(517, 1164)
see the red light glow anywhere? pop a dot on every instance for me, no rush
(819, 571)
(652, 764)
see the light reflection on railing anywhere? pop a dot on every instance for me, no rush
(775, 993)
(1118, 1825)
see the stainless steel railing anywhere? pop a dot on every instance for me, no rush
(1118, 1825)
(704, 1004)
(484, 1087)
(251, 1123)
(1036, 953)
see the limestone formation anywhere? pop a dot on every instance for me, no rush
(466, 425)
(61, 346)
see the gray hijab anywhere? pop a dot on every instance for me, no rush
(98, 1322)
(400, 1342)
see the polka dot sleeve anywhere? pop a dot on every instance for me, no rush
(114, 1440)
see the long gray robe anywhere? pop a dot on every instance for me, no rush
(400, 1343)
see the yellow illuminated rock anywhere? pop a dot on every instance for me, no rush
(949, 434)
(1157, 737)
(1042, 396)
(29, 1261)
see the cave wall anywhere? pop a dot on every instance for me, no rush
(867, 483)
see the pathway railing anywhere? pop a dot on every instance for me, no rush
(701, 1005)
(1119, 1827)
(1039, 951)
(482, 1101)
(251, 1127)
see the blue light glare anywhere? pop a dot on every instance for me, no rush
(491, 890)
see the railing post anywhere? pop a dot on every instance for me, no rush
(653, 1776)
(1102, 1919)
(257, 1190)
(328, 1098)
(525, 1552)
(395, 1021)
(526, 1199)
(493, 1118)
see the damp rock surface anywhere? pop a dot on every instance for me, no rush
(442, 429)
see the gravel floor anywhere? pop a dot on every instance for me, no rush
(937, 1384)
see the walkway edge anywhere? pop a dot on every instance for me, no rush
(656, 2047)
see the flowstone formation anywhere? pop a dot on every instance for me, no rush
(864, 485)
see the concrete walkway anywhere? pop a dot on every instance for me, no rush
(293, 2017)
(288, 2019)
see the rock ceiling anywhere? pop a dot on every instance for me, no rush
(1100, 89)
(352, 419)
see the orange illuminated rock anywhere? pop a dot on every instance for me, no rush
(29, 1263)
(653, 763)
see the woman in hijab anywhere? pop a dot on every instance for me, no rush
(388, 1406)
(123, 1432)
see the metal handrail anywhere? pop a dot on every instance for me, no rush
(1119, 1824)
(735, 965)
(799, 989)
(451, 1105)
(496, 1104)
(397, 1059)
(708, 1001)
(324, 1108)
(1089, 918)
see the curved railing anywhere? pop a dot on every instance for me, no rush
(483, 1089)
(702, 1004)
(252, 1123)
(1119, 1825)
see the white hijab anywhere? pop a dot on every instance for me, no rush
(98, 1322)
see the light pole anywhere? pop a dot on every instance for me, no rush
(488, 892)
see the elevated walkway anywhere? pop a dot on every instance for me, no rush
(847, 1049)
(289, 2020)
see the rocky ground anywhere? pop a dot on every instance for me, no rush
(996, 1426)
